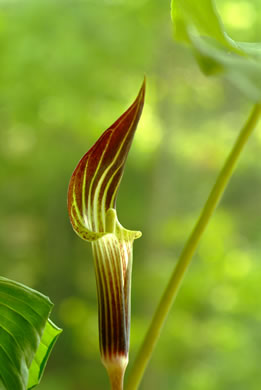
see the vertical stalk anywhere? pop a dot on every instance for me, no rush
(116, 375)
(189, 249)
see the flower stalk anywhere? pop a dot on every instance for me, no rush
(92, 196)
(188, 251)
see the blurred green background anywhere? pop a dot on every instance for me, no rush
(68, 69)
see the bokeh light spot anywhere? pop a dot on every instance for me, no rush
(239, 14)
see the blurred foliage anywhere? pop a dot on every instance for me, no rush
(68, 69)
(217, 53)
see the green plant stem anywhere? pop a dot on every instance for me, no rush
(185, 258)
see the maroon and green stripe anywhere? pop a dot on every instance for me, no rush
(94, 184)
(92, 196)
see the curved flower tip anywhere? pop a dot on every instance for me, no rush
(94, 184)
(91, 203)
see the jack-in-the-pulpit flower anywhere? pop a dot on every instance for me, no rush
(91, 203)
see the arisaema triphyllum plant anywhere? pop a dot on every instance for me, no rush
(95, 181)
(92, 196)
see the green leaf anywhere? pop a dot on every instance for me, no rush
(202, 15)
(49, 337)
(24, 333)
(199, 25)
